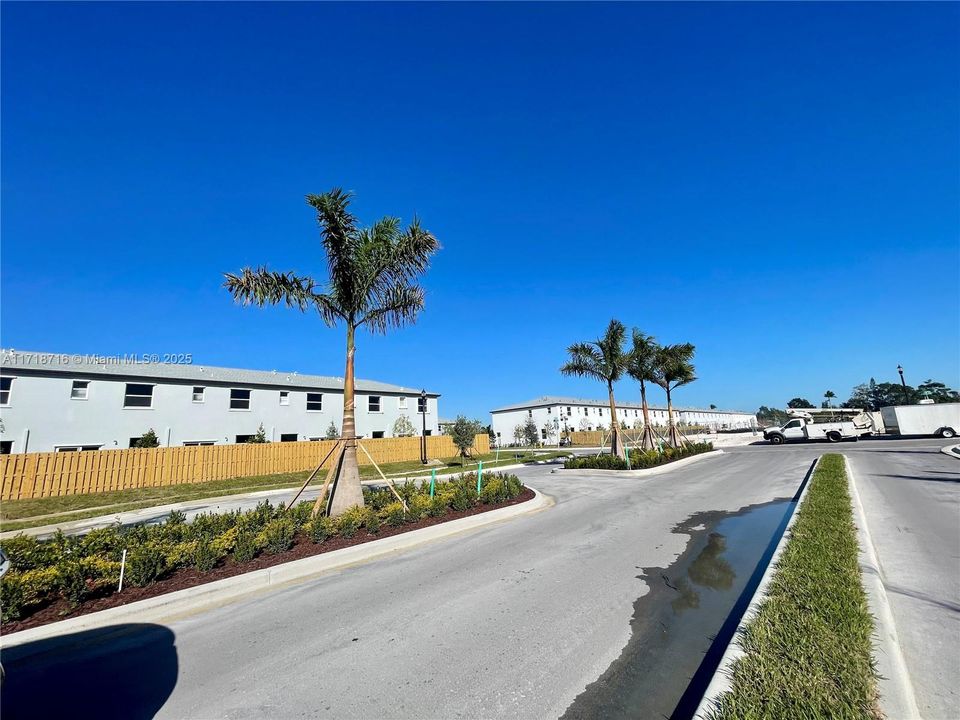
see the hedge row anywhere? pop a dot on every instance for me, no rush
(639, 459)
(77, 567)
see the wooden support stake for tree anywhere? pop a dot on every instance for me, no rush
(338, 458)
(385, 479)
(313, 474)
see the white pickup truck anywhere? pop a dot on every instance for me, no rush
(803, 427)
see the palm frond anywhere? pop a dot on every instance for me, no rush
(338, 231)
(642, 356)
(264, 287)
(586, 360)
(396, 306)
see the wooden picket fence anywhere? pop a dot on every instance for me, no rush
(52, 474)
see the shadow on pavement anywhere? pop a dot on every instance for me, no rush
(925, 478)
(121, 671)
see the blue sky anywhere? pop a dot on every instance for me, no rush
(775, 183)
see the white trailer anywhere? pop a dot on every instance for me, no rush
(939, 419)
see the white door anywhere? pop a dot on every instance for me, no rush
(793, 430)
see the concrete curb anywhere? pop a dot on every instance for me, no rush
(647, 471)
(897, 696)
(722, 677)
(951, 450)
(184, 603)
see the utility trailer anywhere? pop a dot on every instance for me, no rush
(817, 424)
(938, 419)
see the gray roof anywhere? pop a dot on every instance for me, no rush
(558, 400)
(130, 367)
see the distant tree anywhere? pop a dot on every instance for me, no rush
(584, 424)
(673, 368)
(799, 402)
(603, 359)
(492, 435)
(938, 392)
(332, 432)
(519, 434)
(712, 406)
(402, 427)
(827, 397)
(148, 440)
(549, 432)
(771, 416)
(463, 433)
(258, 437)
(530, 432)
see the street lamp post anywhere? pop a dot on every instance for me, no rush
(906, 399)
(423, 435)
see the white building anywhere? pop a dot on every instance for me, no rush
(51, 402)
(572, 414)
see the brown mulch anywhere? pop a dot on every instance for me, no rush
(189, 577)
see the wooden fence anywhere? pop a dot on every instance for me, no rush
(37, 475)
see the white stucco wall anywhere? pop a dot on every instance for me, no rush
(41, 415)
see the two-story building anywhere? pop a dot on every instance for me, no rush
(53, 402)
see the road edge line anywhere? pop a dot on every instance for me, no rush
(190, 601)
(895, 682)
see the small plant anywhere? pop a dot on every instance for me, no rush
(11, 597)
(259, 437)
(321, 528)
(145, 564)
(350, 521)
(205, 555)
(464, 497)
(438, 506)
(371, 521)
(277, 535)
(394, 514)
(245, 548)
(332, 432)
(418, 507)
(73, 584)
(402, 427)
(148, 440)
(301, 514)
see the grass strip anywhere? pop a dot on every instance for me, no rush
(808, 652)
(22, 514)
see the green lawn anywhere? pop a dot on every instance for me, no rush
(19, 514)
(808, 651)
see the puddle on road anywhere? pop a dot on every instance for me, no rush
(675, 623)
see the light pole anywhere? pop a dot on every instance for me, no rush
(906, 400)
(423, 435)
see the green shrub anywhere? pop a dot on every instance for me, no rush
(371, 521)
(108, 541)
(350, 521)
(72, 582)
(277, 535)
(176, 517)
(145, 564)
(418, 507)
(12, 601)
(321, 529)
(394, 514)
(408, 491)
(205, 555)
(300, 514)
(464, 496)
(245, 547)
(438, 506)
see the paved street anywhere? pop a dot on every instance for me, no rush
(512, 621)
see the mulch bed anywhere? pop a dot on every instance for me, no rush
(189, 577)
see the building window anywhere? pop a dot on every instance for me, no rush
(373, 403)
(239, 400)
(79, 390)
(5, 385)
(138, 395)
(543, 434)
(402, 402)
(6, 447)
(428, 432)
(568, 409)
(421, 405)
(288, 437)
(198, 394)
(377, 434)
(241, 439)
(285, 397)
(315, 402)
(196, 443)
(529, 413)
(549, 411)
(76, 448)
(600, 412)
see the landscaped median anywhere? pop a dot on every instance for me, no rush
(70, 576)
(807, 652)
(639, 459)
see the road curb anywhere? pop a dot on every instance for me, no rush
(184, 603)
(897, 696)
(722, 680)
(951, 450)
(646, 471)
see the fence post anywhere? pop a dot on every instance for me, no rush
(433, 481)
(479, 476)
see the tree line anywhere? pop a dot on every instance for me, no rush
(608, 359)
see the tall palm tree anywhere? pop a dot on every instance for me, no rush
(673, 368)
(372, 283)
(640, 367)
(828, 396)
(606, 361)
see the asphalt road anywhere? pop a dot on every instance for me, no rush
(512, 621)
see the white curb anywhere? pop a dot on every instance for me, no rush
(722, 680)
(183, 603)
(951, 450)
(897, 697)
(646, 471)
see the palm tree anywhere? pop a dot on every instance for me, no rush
(603, 360)
(672, 369)
(372, 283)
(828, 396)
(640, 367)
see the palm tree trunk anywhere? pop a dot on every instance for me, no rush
(646, 442)
(347, 490)
(616, 441)
(672, 434)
